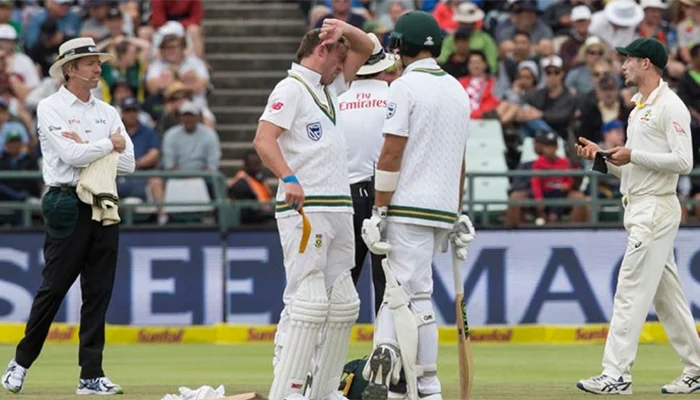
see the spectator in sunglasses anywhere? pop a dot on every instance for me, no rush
(579, 81)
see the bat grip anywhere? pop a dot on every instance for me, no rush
(457, 272)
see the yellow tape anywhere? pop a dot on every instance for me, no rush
(305, 231)
(12, 333)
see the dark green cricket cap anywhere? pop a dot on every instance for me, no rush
(646, 48)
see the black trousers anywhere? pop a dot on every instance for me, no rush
(362, 202)
(91, 252)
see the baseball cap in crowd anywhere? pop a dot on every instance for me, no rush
(552, 61)
(189, 107)
(530, 66)
(524, 5)
(7, 32)
(130, 103)
(580, 13)
(607, 82)
(547, 138)
(646, 48)
(13, 135)
(653, 4)
(608, 126)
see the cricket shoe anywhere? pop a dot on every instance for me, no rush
(100, 386)
(14, 376)
(684, 384)
(604, 384)
(379, 371)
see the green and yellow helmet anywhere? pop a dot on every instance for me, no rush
(416, 31)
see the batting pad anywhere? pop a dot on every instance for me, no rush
(342, 313)
(307, 314)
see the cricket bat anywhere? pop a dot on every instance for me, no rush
(464, 343)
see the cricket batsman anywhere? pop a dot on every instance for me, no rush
(658, 149)
(299, 140)
(419, 185)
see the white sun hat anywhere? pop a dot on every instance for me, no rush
(379, 61)
(468, 13)
(580, 13)
(653, 4)
(74, 49)
(625, 13)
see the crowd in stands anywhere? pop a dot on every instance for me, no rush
(546, 70)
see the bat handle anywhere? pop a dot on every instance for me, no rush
(457, 271)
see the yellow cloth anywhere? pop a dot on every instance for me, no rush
(98, 187)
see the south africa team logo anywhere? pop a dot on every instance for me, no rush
(390, 110)
(315, 131)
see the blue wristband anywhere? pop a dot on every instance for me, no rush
(290, 179)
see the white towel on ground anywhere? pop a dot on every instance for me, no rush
(98, 188)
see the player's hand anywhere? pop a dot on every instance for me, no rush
(461, 235)
(73, 136)
(373, 232)
(294, 195)
(587, 150)
(331, 31)
(118, 141)
(620, 156)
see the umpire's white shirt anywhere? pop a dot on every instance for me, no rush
(94, 121)
(362, 114)
(658, 133)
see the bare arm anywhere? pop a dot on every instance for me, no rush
(361, 46)
(390, 161)
(268, 149)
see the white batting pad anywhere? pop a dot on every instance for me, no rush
(343, 311)
(307, 314)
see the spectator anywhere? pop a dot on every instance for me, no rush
(689, 92)
(508, 69)
(579, 80)
(147, 155)
(122, 90)
(444, 15)
(8, 125)
(342, 11)
(14, 157)
(616, 24)
(581, 20)
(479, 85)
(19, 70)
(550, 108)
(6, 7)
(187, 68)
(94, 25)
(129, 64)
(45, 50)
(116, 30)
(606, 106)
(523, 19)
(249, 184)
(321, 10)
(68, 21)
(191, 145)
(388, 11)
(467, 17)
(688, 30)
(554, 187)
(526, 82)
(189, 13)
(613, 135)
(653, 25)
(456, 65)
(559, 15)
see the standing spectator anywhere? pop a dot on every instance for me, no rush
(479, 85)
(14, 157)
(342, 11)
(20, 71)
(688, 30)
(45, 50)
(508, 69)
(68, 20)
(523, 18)
(525, 83)
(456, 65)
(606, 106)
(189, 13)
(249, 184)
(550, 108)
(581, 20)
(616, 24)
(467, 16)
(191, 146)
(579, 80)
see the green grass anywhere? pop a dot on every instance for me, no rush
(148, 372)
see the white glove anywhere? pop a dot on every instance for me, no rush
(461, 235)
(373, 232)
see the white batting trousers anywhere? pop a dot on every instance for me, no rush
(649, 275)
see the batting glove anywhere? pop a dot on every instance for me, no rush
(373, 231)
(461, 235)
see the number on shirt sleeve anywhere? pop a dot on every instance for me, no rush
(398, 109)
(281, 108)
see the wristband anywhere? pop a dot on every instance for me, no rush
(386, 181)
(290, 179)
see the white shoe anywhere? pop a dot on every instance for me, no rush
(604, 384)
(99, 386)
(684, 384)
(14, 376)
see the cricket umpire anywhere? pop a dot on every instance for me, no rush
(657, 151)
(362, 113)
(75, 129)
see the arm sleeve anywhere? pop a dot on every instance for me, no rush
(398, 109)
(77, 155)
(614, 169)
(675, 123)
(281, 108)
(127, 161)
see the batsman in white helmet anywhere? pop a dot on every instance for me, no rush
(419, 185)
(299, 140)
